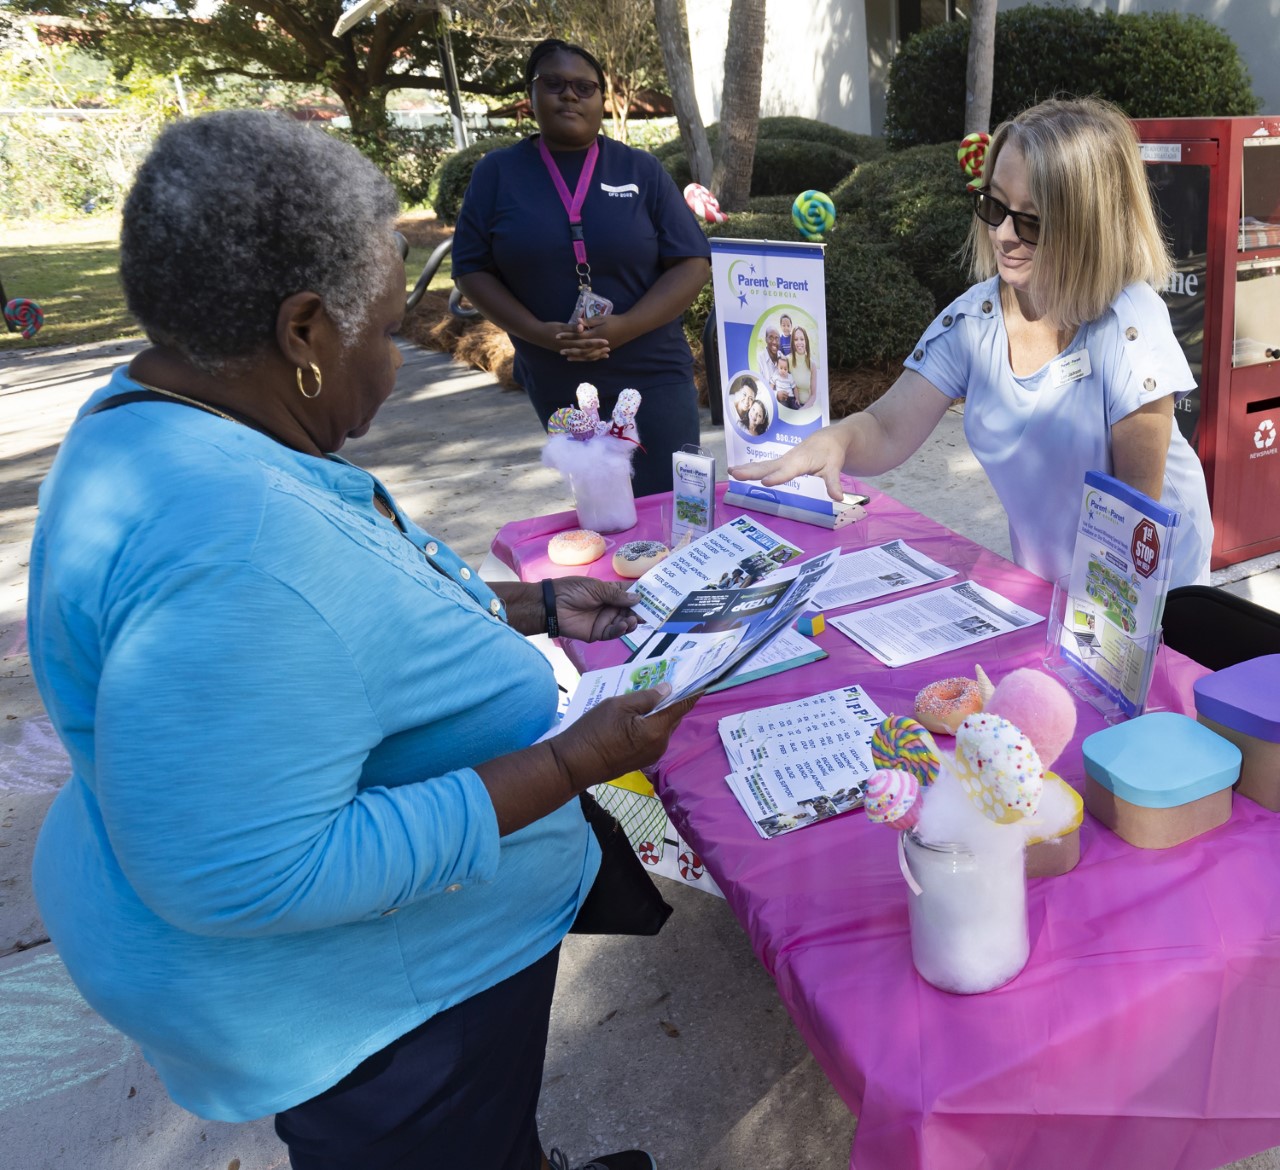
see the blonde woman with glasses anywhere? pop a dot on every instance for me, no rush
(1062, 352)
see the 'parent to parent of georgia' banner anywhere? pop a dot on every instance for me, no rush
(772, 322)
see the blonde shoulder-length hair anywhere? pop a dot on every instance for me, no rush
(1098, 228)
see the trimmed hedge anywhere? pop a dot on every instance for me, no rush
(1150, 64)
(451, 177)
(792, 155)
(794, 129)
(914, 201)
(782, 167)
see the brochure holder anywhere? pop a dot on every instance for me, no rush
(1110, 670)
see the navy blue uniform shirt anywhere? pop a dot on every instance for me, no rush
(513, 224)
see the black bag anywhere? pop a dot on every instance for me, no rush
(623, 898)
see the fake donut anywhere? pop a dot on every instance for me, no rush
(943, 705)
(636, 557)
(999, 768)
(579, 546)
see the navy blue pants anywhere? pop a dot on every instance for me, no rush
(668, 419)
(460, 1091)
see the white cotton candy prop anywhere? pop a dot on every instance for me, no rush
(594, 456)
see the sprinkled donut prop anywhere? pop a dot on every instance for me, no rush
(943, 705)
(703, 204)
(578, 546)
(999, 768)
(636, 557)
(23, 316)
(902, 743)
(814, 214)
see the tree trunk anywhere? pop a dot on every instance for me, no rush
(982, 53)
(740, 104)
(673, 36)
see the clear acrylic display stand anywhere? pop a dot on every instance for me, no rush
(1110, 670)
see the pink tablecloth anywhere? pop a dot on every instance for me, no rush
(1144, 1032)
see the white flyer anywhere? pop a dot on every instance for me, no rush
(729, 557)
(877, 572)
(795, 764)
(915, 628)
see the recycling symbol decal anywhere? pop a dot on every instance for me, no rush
(1265, 435)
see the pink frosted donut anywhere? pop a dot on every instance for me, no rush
(942, 706)
(579, 546)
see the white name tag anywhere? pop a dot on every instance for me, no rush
(1070, 368)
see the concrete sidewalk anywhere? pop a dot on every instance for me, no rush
(678, 1043)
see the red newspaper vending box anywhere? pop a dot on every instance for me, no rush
(1217, 183)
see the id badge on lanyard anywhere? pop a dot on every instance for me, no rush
(589, 304)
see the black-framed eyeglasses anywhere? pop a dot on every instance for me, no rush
(553, 84)
(992, 212)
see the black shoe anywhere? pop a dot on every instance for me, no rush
(624, 1160)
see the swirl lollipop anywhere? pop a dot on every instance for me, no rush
(972, 156)
(24, 316)
(892, 797)
(703, 204)
(813, 213)
(900, 742)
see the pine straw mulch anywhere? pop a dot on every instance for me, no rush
(484, 346)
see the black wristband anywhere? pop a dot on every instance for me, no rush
(549, 604)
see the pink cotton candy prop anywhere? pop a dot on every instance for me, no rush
(1040, 707)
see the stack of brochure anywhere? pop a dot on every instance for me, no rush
(798, 763)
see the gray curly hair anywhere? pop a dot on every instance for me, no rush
(233, 212)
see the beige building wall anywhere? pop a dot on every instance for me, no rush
(815, 60)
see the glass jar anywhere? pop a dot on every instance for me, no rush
(968, 914)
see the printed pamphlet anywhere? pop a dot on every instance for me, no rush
(798, 763)
(732, 556)
(1117, 588)
(915, 628)
(711, 633)
(877, 572)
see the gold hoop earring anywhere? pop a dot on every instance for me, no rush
(315, 369)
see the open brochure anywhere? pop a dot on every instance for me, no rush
(735, 555)
(711, 633)
(1117, 588)
(915, 628)
(798, 763)
(874, 572)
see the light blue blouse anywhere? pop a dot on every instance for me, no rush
(273, 856)
(1035, 437)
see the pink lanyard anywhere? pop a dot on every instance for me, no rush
(573, 203)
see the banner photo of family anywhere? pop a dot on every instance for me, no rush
(772, 326)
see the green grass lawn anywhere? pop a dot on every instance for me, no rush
(70, 268)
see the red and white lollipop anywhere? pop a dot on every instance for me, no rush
(703, 204)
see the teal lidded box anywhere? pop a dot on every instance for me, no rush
(1159, 779)
(1242, 703)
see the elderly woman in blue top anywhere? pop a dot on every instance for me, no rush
(310, 838)
(1063, 355)
(516, 258)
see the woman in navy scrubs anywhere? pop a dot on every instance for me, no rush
(520, 258)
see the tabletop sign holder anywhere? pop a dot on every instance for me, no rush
(1102, 655)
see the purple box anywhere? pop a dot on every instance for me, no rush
(1242, 704)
